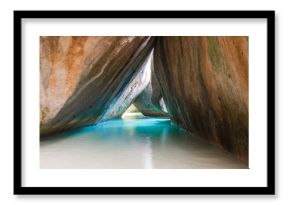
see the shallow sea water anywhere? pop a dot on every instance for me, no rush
(142, 143)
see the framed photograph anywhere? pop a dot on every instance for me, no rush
(144, 102)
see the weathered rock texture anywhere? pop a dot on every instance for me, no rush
(81, 76)
(136, 85)
(205, 87)
(150, 101)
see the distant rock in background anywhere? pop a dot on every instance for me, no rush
(81, 76)
(132, 109)
(150, 101)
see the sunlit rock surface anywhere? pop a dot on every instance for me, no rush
(136, 85)
(205, 86)
(81, 76)
(150, 101)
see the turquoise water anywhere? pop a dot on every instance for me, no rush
(144, 143)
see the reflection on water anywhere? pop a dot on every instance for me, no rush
(145, 143)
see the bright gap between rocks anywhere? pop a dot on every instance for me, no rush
(132, 112)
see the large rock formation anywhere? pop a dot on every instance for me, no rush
(150, 101)
(205, 87)
(81, 76)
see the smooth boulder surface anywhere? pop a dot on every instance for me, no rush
(137, 84)
(205, 87)
(150, 101)
(80, 76)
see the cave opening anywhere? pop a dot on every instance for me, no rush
(132, 112)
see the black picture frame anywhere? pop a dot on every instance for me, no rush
(269, 189)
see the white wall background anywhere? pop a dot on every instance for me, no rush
(282, 99)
